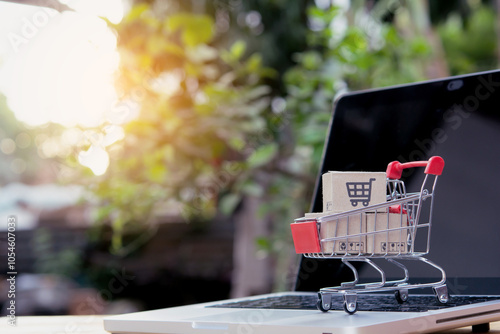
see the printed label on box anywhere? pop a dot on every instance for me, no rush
(391, 233)
(341, 229)
(344, 191)
(351, 246)
(393, 247)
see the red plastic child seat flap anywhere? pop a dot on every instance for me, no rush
(396, 209)
(305, 237)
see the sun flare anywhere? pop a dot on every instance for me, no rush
(65, 75)
(60, 67)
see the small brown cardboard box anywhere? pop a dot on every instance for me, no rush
(386, 242)
(342, 227)
(344, 191)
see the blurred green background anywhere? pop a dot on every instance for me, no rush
(227, 104)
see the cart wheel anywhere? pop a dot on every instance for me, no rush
(401, 295)
(442, 299)
(442, 294)
(324, 299)
(319, 305)
(350, 308)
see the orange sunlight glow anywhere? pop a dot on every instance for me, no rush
(65, 75)
(59, 68)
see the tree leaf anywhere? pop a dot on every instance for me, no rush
(252, 189)
(229, 202)
(237, 50)
(196, 29)
(157, 173)
(262, 155)
(136, 12)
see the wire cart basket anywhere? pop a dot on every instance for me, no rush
(381, 231)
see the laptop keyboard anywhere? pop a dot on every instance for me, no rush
(382, 303)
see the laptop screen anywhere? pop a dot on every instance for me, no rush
(457, 118)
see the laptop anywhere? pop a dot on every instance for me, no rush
(457, 118)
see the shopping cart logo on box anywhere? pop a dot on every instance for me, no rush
(360, 192)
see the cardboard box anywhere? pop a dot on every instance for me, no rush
(342, 227)
(344, 191)
(386, 242)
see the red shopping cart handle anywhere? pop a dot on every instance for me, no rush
(434, 166)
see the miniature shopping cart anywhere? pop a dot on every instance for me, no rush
(387, 231)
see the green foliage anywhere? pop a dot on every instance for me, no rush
(470, 46)
(199, 106)
(262, 156)
(66, 262)
(359, 55)
(194, 29)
